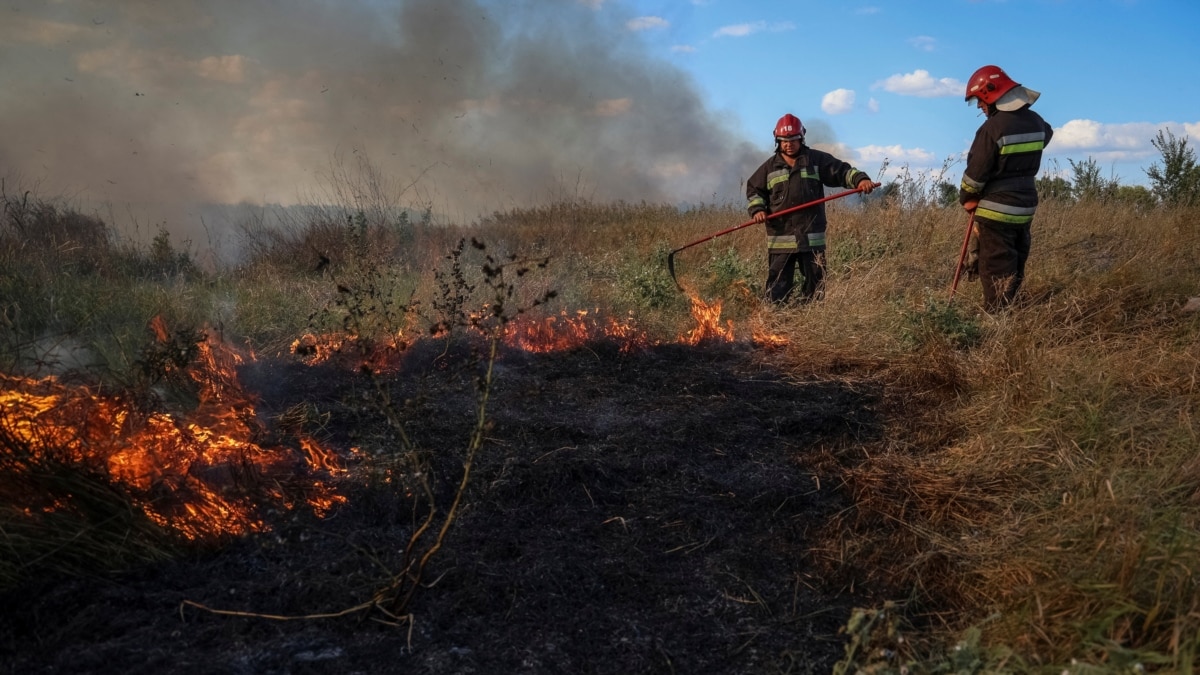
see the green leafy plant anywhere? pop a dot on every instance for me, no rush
(727, 269)
(940, 320)
(645, 283)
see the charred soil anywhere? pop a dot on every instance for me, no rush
(636, 512)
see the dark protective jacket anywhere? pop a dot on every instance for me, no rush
(775, 186)
(1001, 166)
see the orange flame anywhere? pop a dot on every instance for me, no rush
(708, 322)
(193, 475)
(377, 357)
(563, 332)
(538, 335)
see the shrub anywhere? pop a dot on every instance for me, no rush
(940, 321)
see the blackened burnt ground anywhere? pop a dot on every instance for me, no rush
(630, 513)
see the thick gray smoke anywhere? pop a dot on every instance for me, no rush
(153, 107)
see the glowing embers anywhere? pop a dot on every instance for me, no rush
(555, 333)
(375, 356)
(200, 474)
(566, 331)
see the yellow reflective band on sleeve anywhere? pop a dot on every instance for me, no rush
(970, 184)
(757, 201)
(852, 178)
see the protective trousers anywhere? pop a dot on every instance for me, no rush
(781, 275)
(1003, 251)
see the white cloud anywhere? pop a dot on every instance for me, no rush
(838, 101)
(921, 83)
(1131, 140)
(646, 23)
(744, 29)
(594, 4)
(740, 29)
(896, 155)
(923, 43)
(683, 49)
(1125, 146)
(873, 105)
(1078, 134)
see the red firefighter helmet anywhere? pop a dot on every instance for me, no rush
(988, 84)
(789, 127)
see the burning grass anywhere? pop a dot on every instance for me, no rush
(88, 468)
(1032, 502)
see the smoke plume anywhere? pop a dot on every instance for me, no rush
(153, 107)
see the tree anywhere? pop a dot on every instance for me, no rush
(947, 194)
(1089, 185)
(1177, 180)
(1138, 196)
(1053, 188)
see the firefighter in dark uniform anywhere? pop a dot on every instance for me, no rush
(794, 175)
(998, 183)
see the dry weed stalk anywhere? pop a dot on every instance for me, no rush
(369, 314)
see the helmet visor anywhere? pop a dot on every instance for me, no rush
(782, 139)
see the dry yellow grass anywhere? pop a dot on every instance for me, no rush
(1042, 483)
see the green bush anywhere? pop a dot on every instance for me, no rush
(940, 321)
(645, 282)
(726, 267)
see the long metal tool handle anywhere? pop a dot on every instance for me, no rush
(793, 209)
(962, 255)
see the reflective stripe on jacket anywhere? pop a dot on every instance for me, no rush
(1001, 165)
(775, 186)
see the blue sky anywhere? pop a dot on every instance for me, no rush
(887, 77)
(148, 111)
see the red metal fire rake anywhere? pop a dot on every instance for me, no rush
(671, 255)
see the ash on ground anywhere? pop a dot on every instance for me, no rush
(648, 512)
